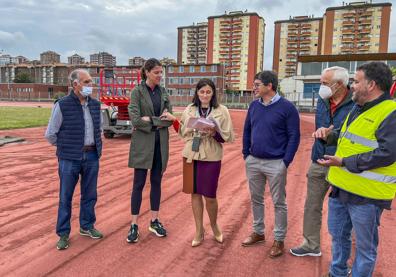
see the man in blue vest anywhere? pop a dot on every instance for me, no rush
(75, 129)
(362, 171)
(334, 104)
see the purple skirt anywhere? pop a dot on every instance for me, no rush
(201, 177)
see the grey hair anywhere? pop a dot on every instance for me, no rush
(339, 74)
(75, 75)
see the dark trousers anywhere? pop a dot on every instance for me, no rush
(139, 180)
(69, 173)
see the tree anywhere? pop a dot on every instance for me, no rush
(22, 78)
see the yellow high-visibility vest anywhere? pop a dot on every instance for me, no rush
(359, 137)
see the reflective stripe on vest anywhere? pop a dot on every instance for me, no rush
(359, 139)
(374, 176)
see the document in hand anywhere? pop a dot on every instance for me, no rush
(200, 123)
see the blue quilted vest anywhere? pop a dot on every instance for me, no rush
(70, 140)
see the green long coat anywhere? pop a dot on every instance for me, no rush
(141, 153)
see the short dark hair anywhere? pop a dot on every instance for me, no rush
(378, 72)
(205, 82)
(149, 65)
(266, 77)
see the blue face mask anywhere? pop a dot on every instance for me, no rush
(86, 91)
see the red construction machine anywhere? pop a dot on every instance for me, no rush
(115, 87)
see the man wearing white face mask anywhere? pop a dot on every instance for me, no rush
(75, 129)
(333, 106)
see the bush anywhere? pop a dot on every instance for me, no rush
(59, 95)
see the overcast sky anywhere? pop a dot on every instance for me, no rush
(127, 28)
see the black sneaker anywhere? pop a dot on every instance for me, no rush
(301, 252)
(133, 234)
(157, 228)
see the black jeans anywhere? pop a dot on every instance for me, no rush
(139, 180)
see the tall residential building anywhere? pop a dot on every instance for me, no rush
(236, 40)
(102, 58)
(167, 61)
(136, 61)
(75, 59)
(357, 27)
(300, 35)
(49, 57)
(192, 44)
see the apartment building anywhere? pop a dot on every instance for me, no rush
(75, 59)
(136, 61)
(102, 58)
(49, 57)
(298, 36)
(236, 40)
(356, 28)
(192, 44)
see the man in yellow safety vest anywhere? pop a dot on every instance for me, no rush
(362, 171)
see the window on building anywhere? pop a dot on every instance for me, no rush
(181, 68)
(311, 90)
(346, 65)
(214, 68)
(202, 69)
(312, 68)
(170, 69)
(192, 68)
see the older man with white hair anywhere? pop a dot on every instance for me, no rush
(75, 129)
(334, 104)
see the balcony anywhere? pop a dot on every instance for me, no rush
(364, 48)
(223, 52)
(237, 29)
(348, 23)
(366, 14)
(347, 39)
(364, 39)
(365, 22)
(291, 48)
(305, 34)
(237, 21)
(292, 41)
(347, 48)
(225, 22)
(305, 41)
(291, 56)
(292, 27)
(225, 30)
(365, 31)
(349, 15)
(290, 69)
(290, 63)
(305, 47)
(348, 31)
(292, 34)
(306, 26)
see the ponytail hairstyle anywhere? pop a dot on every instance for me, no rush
(149, 65)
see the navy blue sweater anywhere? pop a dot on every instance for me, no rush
(272, 132)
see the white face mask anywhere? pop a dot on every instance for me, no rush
(325, 92)
(86, 91)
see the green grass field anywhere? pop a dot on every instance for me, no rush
(23, 117)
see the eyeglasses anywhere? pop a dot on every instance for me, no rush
(256, 85)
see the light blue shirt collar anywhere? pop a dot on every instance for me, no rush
(273, 100)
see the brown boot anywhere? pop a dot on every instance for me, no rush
(276, 249)
(252, 239)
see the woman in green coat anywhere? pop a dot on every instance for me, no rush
(149, 144)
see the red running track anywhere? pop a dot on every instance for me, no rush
(28, 208)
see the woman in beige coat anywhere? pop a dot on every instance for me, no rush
(202, 154)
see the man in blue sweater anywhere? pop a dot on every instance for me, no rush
(270, 140)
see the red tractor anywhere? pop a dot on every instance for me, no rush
(115, 87)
